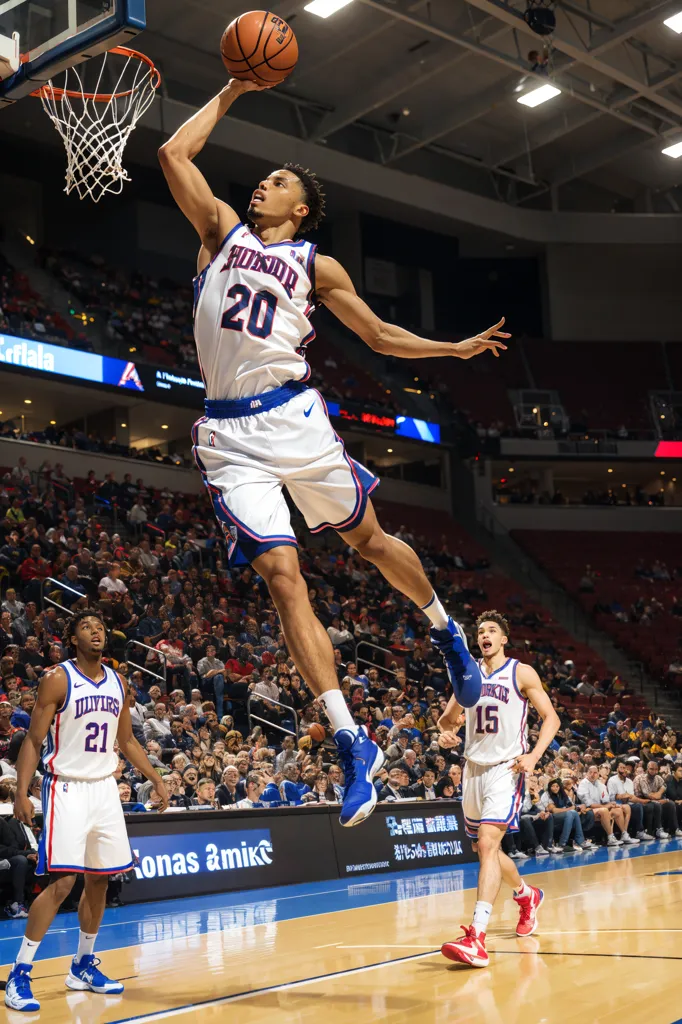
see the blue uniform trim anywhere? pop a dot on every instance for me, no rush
(247, 545)
(500, 669)
(428, 603)
(516, 687)
(90, 871)
(236, 408)
(365, 482)
(217, 253)
(83, 675)
(67, 698)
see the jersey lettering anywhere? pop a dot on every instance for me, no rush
(242, 258)
(495, 690)
(96, 702)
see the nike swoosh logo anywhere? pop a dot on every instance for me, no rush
(307, 412)
(77, 686)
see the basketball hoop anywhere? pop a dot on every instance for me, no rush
(95, 126)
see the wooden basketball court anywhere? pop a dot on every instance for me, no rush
(608, 950)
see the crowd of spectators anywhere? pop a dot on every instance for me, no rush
(77, 439)
(162, 581)
(24, 313)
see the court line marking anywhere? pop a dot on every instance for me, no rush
(179, 1011)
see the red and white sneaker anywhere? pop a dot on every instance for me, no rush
(529, 907)
(469, 949)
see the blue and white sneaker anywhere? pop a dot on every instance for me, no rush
(18, 994)
(86, 976)
(463, 672)
(361, 759)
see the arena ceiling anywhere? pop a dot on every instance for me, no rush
(430, 87)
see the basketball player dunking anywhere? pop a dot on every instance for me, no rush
(80, 712)
(497, 759)
(265, 429)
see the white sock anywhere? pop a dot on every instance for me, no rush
(27, 952)
(86, 944)
(337, 710)
(523, 889)
(435, 611)
(482, 914)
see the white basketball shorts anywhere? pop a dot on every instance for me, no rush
(491, 794)
(247, 459)
(83, 827)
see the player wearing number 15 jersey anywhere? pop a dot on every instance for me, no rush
(80, 712)
(497, 760)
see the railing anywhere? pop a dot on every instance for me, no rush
(271, 725)
(143, 668)
(59, 585)
(366, 661)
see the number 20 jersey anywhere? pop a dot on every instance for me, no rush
(80, 742)
(251, 308)
(496, 727)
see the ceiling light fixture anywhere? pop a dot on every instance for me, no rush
(537, 96)
(675, 22)
(164, 426)
(124, 424)
(325, 8)
(28, 401)
(390, 451)
(675, 151)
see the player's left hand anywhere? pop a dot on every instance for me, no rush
(524, 763)
(483, 342)
(159, 787)
(446, 740)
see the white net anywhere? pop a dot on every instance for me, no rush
(95, 125)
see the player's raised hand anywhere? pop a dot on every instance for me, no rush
(23, 808)
(446, 740)
(242, 85)
(483, 342)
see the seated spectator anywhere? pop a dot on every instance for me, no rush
(205, 794)
(593, 794)
(255, 784)
(231, 788)
(650, 788)
(11, 604)
(566, 818)
(19, 855)
(158, 727)
(397, 785)
(424, 789)
(212, 674)
(673, 792)
(112, 583)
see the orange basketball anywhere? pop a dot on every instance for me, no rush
(317, 732)
(260, 47)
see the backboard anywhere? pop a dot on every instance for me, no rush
(56, 34)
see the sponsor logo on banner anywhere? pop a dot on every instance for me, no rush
(130, 378)
(171, 856)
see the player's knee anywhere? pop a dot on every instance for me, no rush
(283, 580)
(487, 847)
(62, 886)
(373, 546)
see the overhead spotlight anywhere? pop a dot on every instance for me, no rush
(406, 111)
(164, 426)
(53, 423)
(390, 451)
(674, 22)
(325, 8)
(28, 401)
(537, 96)
(675, 151)
(124, 424)
(609, 471)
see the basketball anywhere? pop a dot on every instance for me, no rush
(260, 47)
(317, 732)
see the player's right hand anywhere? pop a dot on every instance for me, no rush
(448, 740)
(23, 809)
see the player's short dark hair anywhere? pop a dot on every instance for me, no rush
(314, 196)
(493, 616)
(75, 621)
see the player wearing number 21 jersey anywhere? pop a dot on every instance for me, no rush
(497, 760)
(80, 713)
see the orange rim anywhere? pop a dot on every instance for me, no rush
(103, 97)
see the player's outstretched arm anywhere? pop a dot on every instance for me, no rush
(133, 752)
(531, 687)
(212, 219)
(335, 289)
(50, 697)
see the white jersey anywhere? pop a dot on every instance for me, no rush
(251, 309)
(496, 725)
(80, 743)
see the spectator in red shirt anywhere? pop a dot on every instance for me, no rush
(238, 667)
(35, 567)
